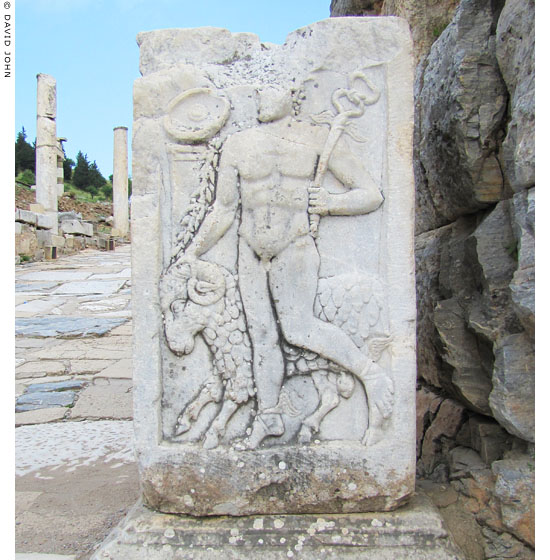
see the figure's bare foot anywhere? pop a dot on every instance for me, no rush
(380, 389)
(211, 440)
(264, 425)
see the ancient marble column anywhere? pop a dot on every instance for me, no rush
(273, 271)
(46, 145)
(120, 181)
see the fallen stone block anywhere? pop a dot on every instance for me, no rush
(45, 221)
(77, 227)
(25, 216)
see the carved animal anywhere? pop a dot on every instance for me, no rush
(200, 297)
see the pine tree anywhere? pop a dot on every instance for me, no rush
(81, 173)
(24, 153)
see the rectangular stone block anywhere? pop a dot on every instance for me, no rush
(46, 221)
(38, 208)
(18, 228)
(272, 270)
(49, 239)
(77, 228)
(25, 216)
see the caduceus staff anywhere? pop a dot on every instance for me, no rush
(339, 123)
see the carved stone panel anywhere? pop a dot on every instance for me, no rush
(273, 271)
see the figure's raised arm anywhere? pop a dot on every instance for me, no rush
(219, 220)
(364, 195)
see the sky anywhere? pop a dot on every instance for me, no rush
(89, 47)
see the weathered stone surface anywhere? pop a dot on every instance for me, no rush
(427, 18)
(65, 326)
(449, 418)
(68, 385)
(339, 8)
(70, 216)
(427, 405)
(461, 102)
(512, 399)
(90, 287)
(40, 369)
(504, 545)
(46, 221)
(515, 50)
(286, 370)
(515, 488)
(25, 217)
(112, 399)
(523, 283)
(428, 255)
(488, 438)
(77, 227)
(41, 399)
(120, 180)
(415, 531)
(40, 416)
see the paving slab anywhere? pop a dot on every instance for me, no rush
(38, 306)
(35, 556)
(80, 367)
(65, 326)
(65, 385)
(110, 399)
(40, 416)
(35, 286)
(97, 287)
(120, 370)
(56, 275)
(40, 369)
(43, 399)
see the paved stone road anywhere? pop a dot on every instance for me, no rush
(75, 469)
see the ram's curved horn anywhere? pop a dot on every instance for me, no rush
(173, 283)
(207, 283)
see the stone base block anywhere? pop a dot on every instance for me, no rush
(414, 531)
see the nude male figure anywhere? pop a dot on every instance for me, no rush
(269, 169)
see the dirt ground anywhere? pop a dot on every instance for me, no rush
(91, 211)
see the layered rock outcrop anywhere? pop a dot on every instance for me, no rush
(475, 259)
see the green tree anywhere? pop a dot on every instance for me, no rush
(96, 178)
(68, 165)
(24, 153)
(81, 173)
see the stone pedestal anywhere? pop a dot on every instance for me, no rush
(46, 145)
(120, 180)
(415, 532)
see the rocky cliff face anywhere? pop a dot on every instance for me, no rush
(475, 189)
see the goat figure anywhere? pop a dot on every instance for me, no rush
(201, 297)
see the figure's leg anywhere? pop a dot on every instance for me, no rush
(268, 364)
(217, 428)
(328, 400)
(211, 391)
(293, 282)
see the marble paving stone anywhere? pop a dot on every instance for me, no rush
(35, 400)
(39, 556)
(41, 306)
(40, 369)
(126, 273)
(65, 385)
(120, 369)
(89, 366)
(90, 287)
(55, 275)
(65, 326)
(40, 416)
(110, 400)
(35, 286)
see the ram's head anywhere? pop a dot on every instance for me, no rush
(191, 293)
